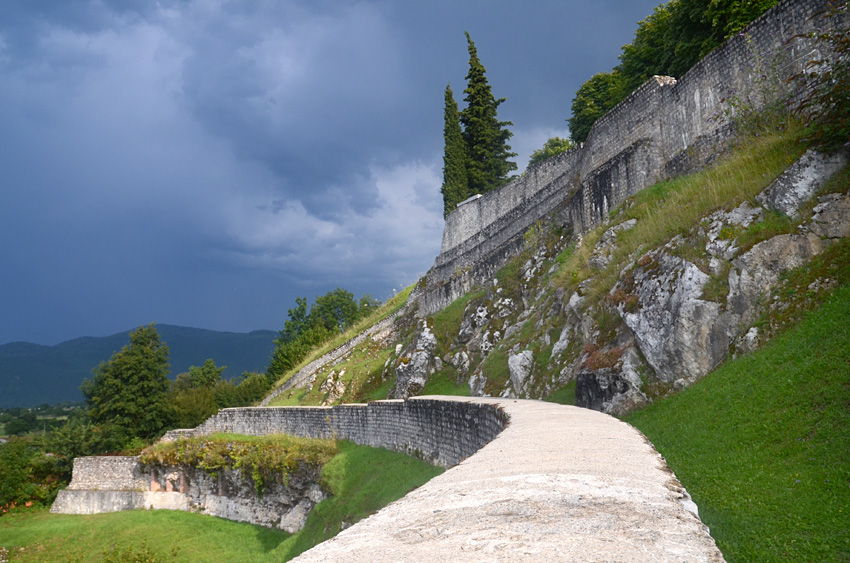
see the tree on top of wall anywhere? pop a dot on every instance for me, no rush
(486, 137)
(454, 188)
(667, 42)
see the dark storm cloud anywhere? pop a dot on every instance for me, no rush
(204, 162)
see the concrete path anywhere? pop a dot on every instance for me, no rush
(558, 484)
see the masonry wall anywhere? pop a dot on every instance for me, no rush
(378, 332)
(663, 129)
(440, 432)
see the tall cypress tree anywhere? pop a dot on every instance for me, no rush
(454, 187)
(486, 137)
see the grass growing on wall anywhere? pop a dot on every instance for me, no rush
(362, 479)
(763, 444)
(267, 458)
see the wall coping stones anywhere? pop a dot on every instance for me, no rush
(527, 480)
(560, 483)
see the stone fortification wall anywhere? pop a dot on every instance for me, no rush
(103, 484)
(440, 432)
(114, 484)
(663, 129)
(108, 473)
(379, 332)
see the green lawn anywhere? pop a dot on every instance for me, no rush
(763, 443)
(363, 480)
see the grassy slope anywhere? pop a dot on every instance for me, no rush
(363, 480)
(763, 443)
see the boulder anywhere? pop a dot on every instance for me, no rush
(414, 366)
(831, 218)
(799, 183)
(520, 366)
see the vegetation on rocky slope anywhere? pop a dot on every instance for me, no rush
(761, 441)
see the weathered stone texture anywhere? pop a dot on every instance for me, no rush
(438, 432)
(443, 433)
(664, 128)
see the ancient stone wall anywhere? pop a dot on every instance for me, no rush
(378, 332)
(663, 129)
(441, 432)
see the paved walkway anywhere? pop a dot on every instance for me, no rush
(558, 484)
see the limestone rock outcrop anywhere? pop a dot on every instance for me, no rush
(415, 364)
(799, 183)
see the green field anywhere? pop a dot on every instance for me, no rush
(362, 480)
(763, 443)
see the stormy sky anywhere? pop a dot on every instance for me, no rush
(202, 163)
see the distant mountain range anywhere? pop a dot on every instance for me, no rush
(32, 374)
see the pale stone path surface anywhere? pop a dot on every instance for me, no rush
(558, 484)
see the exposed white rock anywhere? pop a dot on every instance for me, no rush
(461, 362)
(755, 272)
(801, 181)
(603, 249)
(519, 366)
(831, 218)
(563, 341)
(333, 387)
(743, 216)
(671, 324)
(415, 364)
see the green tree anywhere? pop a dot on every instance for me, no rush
(207, 375)
(651, 52)
(555, 145)
(455, 180)
(298, 322)
(668, 42)
(486, 137)
(130, 390)
(595, 97)
(336, 309)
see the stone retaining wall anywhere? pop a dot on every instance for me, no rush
(663, 129)
(441, 432)
(380, 331)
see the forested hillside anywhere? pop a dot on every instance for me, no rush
(32, 374)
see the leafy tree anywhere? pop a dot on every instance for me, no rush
(595, 97)
(336, 309)
(251, 388)
(455, 178)
(207, 375)
(78, 438)
(668, 42)
(367, 304)
(28, 476)
(728, 17)
(331, 313)
(486, 137)
(25, 422)
(651, 52)
(553, 146)
(129, 391)
(298, 322)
